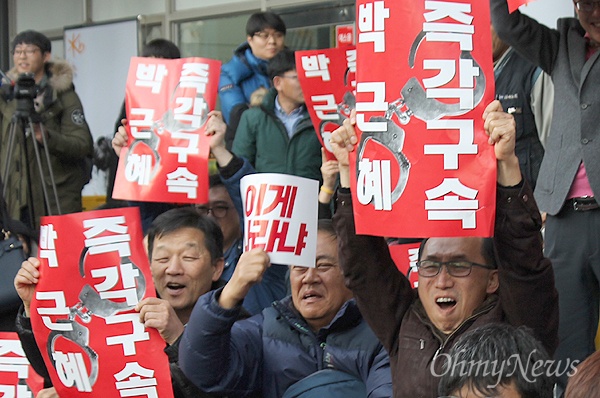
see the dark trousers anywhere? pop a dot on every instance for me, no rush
(572, 242)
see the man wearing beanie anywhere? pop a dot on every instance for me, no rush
(61, 133)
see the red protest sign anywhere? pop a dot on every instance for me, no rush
(405, 256)
(167, 104)
(328, 80)
(422, 166)
(93, 272)
(515, 4)
(344, 35)
(17, 377)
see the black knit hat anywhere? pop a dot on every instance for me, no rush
(35, 38)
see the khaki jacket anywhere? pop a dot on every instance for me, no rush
(70, 146)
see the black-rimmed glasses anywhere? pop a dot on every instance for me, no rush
(218, 211)
(267, 35)
(26, 51)
(462, 268)
(587, 6)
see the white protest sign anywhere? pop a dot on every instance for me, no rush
(280, 216)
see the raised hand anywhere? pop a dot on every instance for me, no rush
(120, 139)
(248, 272)
(215, 128)
(26, 281)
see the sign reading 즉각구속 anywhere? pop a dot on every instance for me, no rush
(422, 166)
(17, 377)
(93, 272)
(167, 103)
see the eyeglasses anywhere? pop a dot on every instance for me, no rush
(267, 35)
(320, 268)
(218, 211)
(587, 6)
(430, 268)
(289, 76)
(27, 51)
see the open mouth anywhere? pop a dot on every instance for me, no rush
(445, 302)
(311, 296)
(175, 286)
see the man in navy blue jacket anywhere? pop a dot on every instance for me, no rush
(318, 327)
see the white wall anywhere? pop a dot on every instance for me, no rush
(548, 11)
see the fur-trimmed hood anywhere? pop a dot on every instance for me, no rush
(60, 75)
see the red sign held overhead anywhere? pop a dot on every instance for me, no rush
(422, 166)
(167, 105)
(328, 79)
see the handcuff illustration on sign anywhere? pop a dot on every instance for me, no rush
(412, 102)
(151, 136)
(90, 304)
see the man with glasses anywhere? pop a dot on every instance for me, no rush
(569, 178)
(59, 126)
(316, 331)
(247, 70)
(464, 282)
(278, 136)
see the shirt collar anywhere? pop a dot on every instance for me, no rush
(281, 111)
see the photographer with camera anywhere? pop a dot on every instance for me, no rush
(44, 175)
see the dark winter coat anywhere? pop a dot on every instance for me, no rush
(526, 293)
(262, 139)
(267, 353)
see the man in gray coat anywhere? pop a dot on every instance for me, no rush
(570, 173)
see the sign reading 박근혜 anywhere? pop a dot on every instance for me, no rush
(423, 166)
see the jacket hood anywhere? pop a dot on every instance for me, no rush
(59, 72)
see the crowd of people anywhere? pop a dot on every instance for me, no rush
(515, 315)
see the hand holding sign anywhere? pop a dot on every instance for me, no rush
(501, 129)
(329, 171)
(248, 272)
(215, 129)
(344, 140)
(26, 281)
(119, 141)
(160, 315)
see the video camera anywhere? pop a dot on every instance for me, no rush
(25, 91)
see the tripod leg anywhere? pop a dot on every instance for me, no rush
(50, 171)
(38, 159)
(11, 144)
(7, 165)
